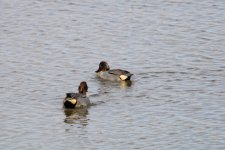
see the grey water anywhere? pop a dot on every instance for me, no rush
(174, 48)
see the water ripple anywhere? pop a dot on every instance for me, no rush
(174, 48)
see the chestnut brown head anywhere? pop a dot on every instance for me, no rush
(83, 88)
(103, 66)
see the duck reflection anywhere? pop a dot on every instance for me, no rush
(80, 112)
(125, 84)
(76, 116)
(121, 84)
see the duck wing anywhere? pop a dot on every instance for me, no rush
(72, 95)
(123, 74)
(119, 72)
(75, 95)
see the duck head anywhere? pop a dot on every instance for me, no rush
(83, 88)
(103, 66)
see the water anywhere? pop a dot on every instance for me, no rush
(174, 48)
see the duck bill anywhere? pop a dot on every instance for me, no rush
(98, 70)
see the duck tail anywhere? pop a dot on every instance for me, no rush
(129, 76)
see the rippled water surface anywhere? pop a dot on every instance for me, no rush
(174, 48)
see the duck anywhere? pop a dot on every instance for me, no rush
(77, 100)
(104, 72)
